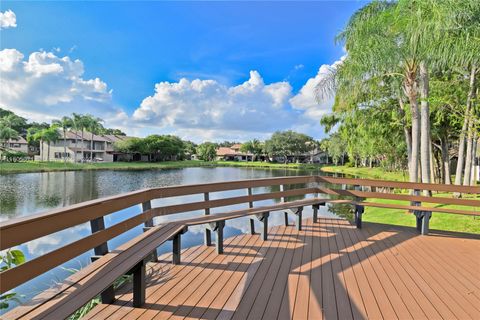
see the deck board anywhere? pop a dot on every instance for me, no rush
(328, 270)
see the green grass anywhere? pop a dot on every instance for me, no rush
(439, 221)
(44, 166)
(372, 173)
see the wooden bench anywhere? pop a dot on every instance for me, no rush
(78, 289)
(422, 213)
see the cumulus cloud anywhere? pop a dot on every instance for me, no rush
(8, 19)
(209, 106)
(44, 86)
(306, 101)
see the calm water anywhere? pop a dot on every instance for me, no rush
(30, 193)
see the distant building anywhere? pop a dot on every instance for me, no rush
(18, 144)
(233, 153)
(100, 149)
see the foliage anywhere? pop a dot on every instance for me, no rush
(254, 147)
(207, 151)
(288, 143)
(9, 259)
(13, 156)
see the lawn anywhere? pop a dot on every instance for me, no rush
(440, 221)
(371, 173)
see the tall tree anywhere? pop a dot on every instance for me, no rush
(65, 124)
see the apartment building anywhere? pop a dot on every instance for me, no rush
(93, 148)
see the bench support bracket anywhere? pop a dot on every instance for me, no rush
(423, 221)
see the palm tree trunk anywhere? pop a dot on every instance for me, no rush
(461, 142)
(406, 131)
(83, 145)
(76, 146)
(469, 155)
(41, 150)
(425, 147)
(91, 148)
(48, 154)
(411, 91)
(445, 160)
(64, 146)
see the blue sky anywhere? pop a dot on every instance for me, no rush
(132, 46)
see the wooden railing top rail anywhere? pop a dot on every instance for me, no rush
(400, 185)
(20, 230)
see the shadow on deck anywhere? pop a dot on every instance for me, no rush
(328, 270)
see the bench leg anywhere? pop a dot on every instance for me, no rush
(208, 237)
(298, 221)
(358, 215)
(139, 286)
(219, 243)
(286, 218)
(176, 248)
(252, 226)
(419, 220)
(426, 222)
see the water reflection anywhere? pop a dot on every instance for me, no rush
(26, 194)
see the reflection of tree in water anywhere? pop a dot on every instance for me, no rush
(47, 200)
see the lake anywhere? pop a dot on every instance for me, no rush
(29, 193)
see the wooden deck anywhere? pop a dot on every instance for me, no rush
(328, 270)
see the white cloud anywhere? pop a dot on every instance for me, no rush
(305, 100)
(8, 19)
(45, 86)
(209, 107)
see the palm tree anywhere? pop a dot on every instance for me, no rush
(50, 135)
(397, 40)
(93, 125)
(6, 128)
(76, 125)
(65, 123)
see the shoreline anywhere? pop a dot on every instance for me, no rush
(34, 167)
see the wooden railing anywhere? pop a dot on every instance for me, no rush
(21, 230)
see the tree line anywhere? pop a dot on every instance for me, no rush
(406, 94)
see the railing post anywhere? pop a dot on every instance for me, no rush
(250, 205)
(284, 199)
(359, 210)
(208, 233)
(98, 224)
(298, 217)
(176, 248)
(315, 208)
(147, 205)
(426, 222)
(219, 243)
(139, 285)
(418, 214)
(263, 218)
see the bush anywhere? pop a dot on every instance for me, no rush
(13, 156)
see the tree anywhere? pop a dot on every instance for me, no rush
(65, 123)
(49, 135)
(253, 146)
(288, 143)
(207, 151)
(94, 126)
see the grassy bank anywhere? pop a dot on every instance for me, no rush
(44, 166)
(372, 173)
(440, 221)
